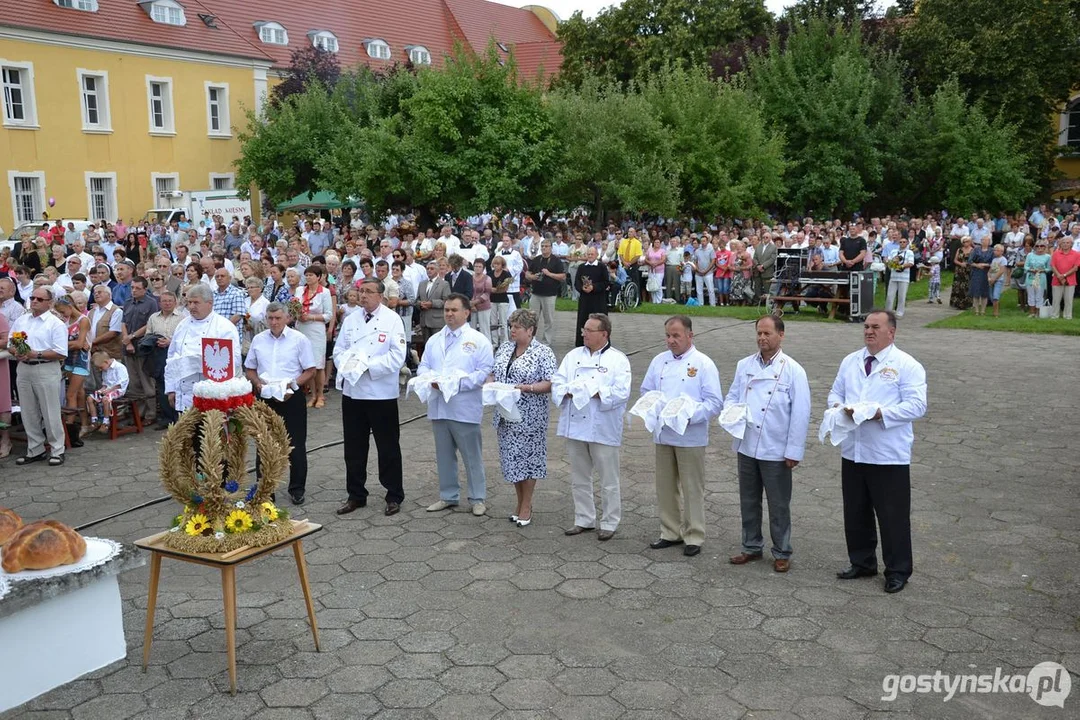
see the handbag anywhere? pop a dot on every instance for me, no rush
(653, 284)
(1018, 272)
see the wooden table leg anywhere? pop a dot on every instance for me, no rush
(151, 606)
(228, 591)
(301, 568)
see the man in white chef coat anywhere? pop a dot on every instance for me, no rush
(369, 405)
(682, 370)
(456, 423)
(183, 365)
(876, 466)
(775, 391)
(594, 432)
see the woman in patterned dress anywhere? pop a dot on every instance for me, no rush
(529, 365)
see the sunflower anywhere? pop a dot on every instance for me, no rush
(270, 511)
(197, 524)
(238, 521)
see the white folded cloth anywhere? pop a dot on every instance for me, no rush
(504, 397)
(677, 412)
(836, 424)
(648, 408)
(733, 419)
(448, 382)
(351, 366)
(583, 388)
(183, 366)
(864, 411)
(274, 389)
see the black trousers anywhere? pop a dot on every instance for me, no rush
(294, 412)
(883, 491)
(361, 419)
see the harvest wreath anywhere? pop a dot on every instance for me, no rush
(204, 468)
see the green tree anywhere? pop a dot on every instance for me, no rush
(280, 151)
(615, 154)
(1019, 58)
(638, 37)
(469, 137)
(835, 100)
(729, 163)
(847, 11)
(308, 66)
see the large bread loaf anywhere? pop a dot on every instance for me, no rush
(42, 545)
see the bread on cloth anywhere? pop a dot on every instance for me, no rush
(42, 545)
(9, 523)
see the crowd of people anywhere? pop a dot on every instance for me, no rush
(322, 304)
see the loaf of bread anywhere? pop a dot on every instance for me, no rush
(9, 523)
(42, 545)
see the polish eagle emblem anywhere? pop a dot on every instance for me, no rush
(217, 359)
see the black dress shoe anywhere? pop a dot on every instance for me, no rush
(27, 459)
(894, 585)
(351, 505)
(691, 550)
(392, 508)
(855, 572)
(297, 498)
(662, 543)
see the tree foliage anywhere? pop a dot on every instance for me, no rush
(835, 100)
(308, 66)
(1019, 58)
(639, 37)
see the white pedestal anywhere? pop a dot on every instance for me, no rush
(60, 639)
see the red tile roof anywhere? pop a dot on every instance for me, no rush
(433, 24)
(125, 21)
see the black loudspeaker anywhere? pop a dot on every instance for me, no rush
(861, 286)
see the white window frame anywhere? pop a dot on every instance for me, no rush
(168, 113)
(419, 55)
(272, 28)
(158, 201)
(230, 177)
(39, 204)
(172, 13)
(327, 39)
(379, 49)
(224, 129)
(112, 204)
(83, 5)
(29, 97)
(104, 123)
(1072, 106)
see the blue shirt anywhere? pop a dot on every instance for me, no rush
(121, 293)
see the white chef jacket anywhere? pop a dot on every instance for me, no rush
(514, 266)
(693, 374)
(383, 339)
(897, 382)
(187, 341)
(601, 421)
(778, 398)
(471, 353)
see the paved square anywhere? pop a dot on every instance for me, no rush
(449, 616)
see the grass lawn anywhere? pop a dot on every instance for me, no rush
(739, 313)
(1013, 319)
(917, 291)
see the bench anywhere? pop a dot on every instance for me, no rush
(833, 302)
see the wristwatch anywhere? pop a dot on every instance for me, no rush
(39, 355)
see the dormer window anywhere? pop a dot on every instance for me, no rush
(378, 49)
(419, 55)
(166, 12)
(324, 40)
(84, 5)
(272, 33)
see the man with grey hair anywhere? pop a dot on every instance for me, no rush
(9, 307)
(183, 366)
(593, 431)
(39, 377)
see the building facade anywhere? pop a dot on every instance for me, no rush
(107, 104)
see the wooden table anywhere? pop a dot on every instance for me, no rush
(227, 563)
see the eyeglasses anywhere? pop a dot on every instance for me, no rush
(42, 299)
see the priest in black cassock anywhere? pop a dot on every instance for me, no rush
(592, 284)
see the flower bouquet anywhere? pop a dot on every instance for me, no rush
(295, 308)
(18, 341)
(896, 262)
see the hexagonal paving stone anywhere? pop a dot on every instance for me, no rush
(528, 694)
(380, 629)
(109, 707)
(67, 696)
(464, 707)
(368, 652)
(405, 571)
(586, 681)
(345, 707)
(791, 628)
(477, 653)
(711, 706)
(426, 642)
(472, 680)
(646, 695)
(294, 693)
(536, 580)
(630, 579)
(530, 666)
(697, 655)
(409, 693)
(587, 708)
(581, 570)
(358, 679)
(956, 640)
(583, 589)
(828, 708)
(418, 665)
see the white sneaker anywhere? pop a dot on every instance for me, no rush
(441, 505)
(479, 509)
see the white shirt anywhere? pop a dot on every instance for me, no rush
(514, 266)
(693, 374)
(383, 339)
(471, 254)
(560, 249)
(11, 310)
(905, 274)
(284, 357)
(415, 273)
(897, 382)
(471, 353)
(187, 342)
(44, 332)
(115, 375)
(778, 398)
(601, 421)
(115, 322)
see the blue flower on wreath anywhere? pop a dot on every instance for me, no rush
(196, 499)
(232, 486)
(251, 492)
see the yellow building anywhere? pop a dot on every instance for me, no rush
(102, 125)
